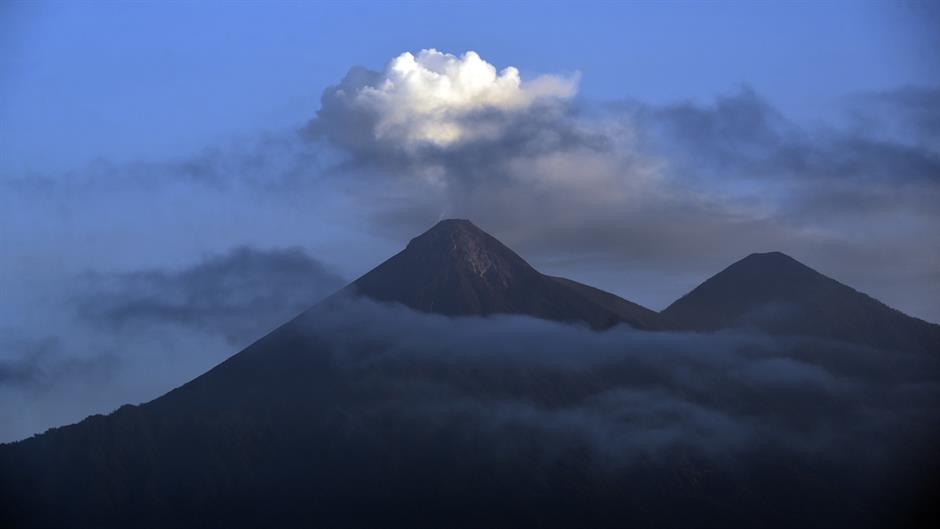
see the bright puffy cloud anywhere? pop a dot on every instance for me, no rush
(439, 99)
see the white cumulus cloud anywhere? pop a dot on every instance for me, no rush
(439, 99)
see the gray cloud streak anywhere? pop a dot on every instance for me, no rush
(130, 337)
(40, 364)
(240, 295)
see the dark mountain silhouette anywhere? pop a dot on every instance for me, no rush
(315, 425)
(457, 269)
(775, 293)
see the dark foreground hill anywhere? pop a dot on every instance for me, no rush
(360, 413)
(777, 294)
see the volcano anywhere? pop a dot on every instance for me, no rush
(457, 269)
(775, 293)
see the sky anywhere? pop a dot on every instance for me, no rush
(176, 179)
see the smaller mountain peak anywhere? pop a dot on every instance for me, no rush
(769, 261)
(768, 256)
(777, 294)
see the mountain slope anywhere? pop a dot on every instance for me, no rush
(636, 315)
(778, 294)
(457, 269)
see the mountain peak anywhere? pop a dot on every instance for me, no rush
(459, 244)
(452, 230)
(770, 259)
(454, 233)
(778, 294)
(457, 269)
(772, 267)
(769, 256)
(454, 224)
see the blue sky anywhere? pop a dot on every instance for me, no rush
(82, 80)
(153, 152)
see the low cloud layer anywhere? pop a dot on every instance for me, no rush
(725, 423)
(631, 395)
